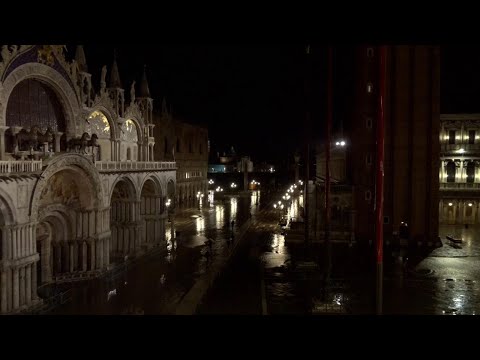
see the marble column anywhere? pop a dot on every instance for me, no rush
(76, 262)
(3, 291)
(98, 253)
(84, 256)
(14, 243)
(71, 255)
(3, 250)
(92, 255)
(58, 135)
(16, 290)
(22, 285)
(28, 284)
(9, 272)
(34, 281)
(2, 141)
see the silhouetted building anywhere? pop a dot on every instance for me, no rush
(187, 145)
(412, 119)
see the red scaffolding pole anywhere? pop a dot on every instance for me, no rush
(380, 177)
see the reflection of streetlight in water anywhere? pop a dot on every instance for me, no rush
(200, 224)
(233, 208)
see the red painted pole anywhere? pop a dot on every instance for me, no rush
(380, 177)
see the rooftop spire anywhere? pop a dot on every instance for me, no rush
(144, 90)
(114, 75)
(80, 58)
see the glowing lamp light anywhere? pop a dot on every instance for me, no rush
(470, 204)
(450, 204)
(461, 151)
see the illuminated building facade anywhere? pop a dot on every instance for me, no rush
(80, 190)
(459, 169)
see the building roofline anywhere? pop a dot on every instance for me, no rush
(460, 116)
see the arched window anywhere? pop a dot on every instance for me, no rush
(178, 145)
(471, 172)
(129, 154)
(451, 169)
(97, 123)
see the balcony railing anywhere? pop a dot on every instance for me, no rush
(460, 186)
(455, 147)
(11, 167)
(134, 165)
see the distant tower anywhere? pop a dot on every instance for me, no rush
(412, 117)
(297, 166)
(145, 104)
(115, 90)
(84, 79)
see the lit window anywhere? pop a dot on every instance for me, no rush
(370, 52)
(369, 88)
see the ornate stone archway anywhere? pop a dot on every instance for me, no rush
(75, 162)
(66, 94)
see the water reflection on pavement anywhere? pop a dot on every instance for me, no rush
(156, 284)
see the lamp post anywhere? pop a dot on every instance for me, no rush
(200, 196)
(171, 218)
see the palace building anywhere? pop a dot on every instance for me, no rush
(459, 169)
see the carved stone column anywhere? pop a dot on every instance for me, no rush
(28, 284)
(3, 291)
(2, 141)
(16, 290)
(58, 136)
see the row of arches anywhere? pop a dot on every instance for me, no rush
(459, 211)
(74, 235)
(187, 192)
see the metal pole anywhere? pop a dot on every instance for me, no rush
(327, 164)
(380, 174)
(307, 145)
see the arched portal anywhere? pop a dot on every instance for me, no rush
(65, 231)
(151, 208)
(123, 220)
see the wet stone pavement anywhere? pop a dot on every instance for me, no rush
(157, 283)
(444, 281)
(270, 276)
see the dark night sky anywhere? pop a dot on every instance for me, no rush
(252, 97)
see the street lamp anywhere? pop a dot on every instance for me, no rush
(167, 204)
(199, 197)
(211, 182)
